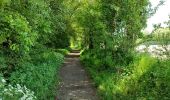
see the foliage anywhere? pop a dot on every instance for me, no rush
(159, 37)
(30, 30)
(111, 28)
(15, 32)
(39, 74)
(63, 51)
(16, 93)
(144, 78)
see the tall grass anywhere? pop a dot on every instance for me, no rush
(146, 78)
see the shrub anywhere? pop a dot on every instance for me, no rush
(28, 31)
(155, 83)
(40, 74)
(144, 78)
(8, 92)
(15, 32)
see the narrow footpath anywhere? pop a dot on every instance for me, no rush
(75, 83)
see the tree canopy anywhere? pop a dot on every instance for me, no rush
(36, 34)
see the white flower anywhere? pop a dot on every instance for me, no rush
(5, 90)
(3, 80)
(12, 91)
(18, 86)
(10, 86)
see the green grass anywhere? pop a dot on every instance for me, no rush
(63, 51)
(146, 78)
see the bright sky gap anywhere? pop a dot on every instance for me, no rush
(161, 15)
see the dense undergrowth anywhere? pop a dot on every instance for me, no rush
(35, 77)
(111, 31)
(31, 33)
(145, 78)
(38, 73)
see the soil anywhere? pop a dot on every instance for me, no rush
(75, 83)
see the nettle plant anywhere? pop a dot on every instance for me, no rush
(18, 92)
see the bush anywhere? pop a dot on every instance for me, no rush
(15, 32)
(155, 84)
(40, 74)
(8, 92)
(28, 31)
(144, 78)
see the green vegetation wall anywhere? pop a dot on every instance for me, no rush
(26, 23)
(30, 31)
(111, 27)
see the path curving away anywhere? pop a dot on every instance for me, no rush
(75, 83)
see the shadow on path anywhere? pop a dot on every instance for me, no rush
(75, 83)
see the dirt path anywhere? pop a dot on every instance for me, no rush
(75, 83)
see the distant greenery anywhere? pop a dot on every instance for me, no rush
(36, 34)
(160, 35)
(63, 51)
